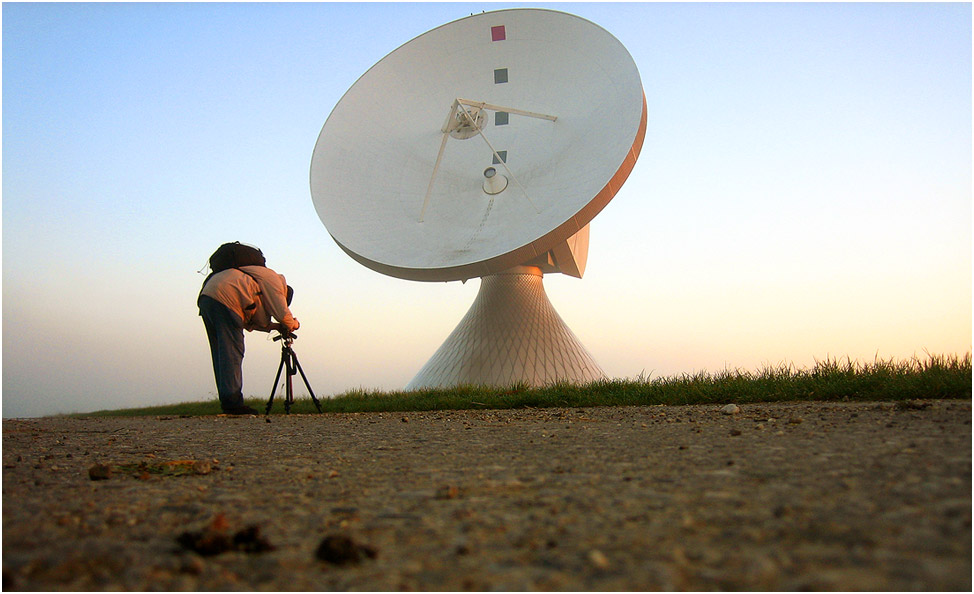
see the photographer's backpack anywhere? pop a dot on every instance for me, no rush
(234, 255)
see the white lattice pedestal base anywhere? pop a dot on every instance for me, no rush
(510, 335)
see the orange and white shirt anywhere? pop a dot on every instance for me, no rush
(255, 293)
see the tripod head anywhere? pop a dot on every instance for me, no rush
(287, 337)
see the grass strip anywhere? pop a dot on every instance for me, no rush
(937, 377)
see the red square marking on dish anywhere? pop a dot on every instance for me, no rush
(497, 33)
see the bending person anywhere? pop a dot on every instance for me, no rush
(237, 299)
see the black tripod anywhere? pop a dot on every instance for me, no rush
(290, 361)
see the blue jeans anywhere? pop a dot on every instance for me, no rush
(224, 330)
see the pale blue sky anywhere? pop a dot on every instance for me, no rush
(804, 191)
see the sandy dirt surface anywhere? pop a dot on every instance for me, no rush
(822, 496)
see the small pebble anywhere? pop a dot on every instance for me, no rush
(730, 409)
(448, 492)
(339, 549)
(202, 467)
(598, 559)
(100, 472)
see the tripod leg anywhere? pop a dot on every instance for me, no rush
(305, 378)
(289, 399)
(277, 378)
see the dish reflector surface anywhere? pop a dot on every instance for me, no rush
(403, 196)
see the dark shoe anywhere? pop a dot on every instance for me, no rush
(240, 410)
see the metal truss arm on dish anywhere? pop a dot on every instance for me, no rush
(491, 107)
(497, 156)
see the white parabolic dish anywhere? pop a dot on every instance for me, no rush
(406, 198)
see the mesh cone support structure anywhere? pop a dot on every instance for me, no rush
(510, 335)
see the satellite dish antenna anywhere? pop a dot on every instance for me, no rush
(483, 148)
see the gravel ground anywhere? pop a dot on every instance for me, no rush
(821, 496)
